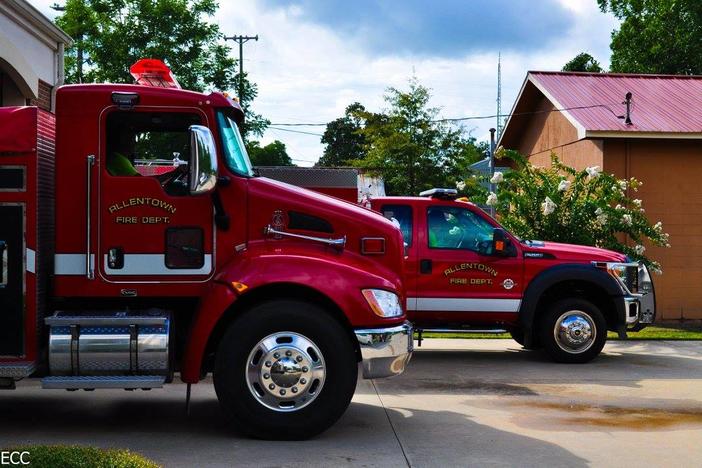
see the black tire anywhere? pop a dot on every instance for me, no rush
(297, 318)
(517, 335)
(571, 347)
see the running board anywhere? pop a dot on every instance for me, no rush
(127, 382)
(16, 370)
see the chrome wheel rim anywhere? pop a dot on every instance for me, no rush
(285, 371)
(575, 331)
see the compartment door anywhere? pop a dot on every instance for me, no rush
(12, 280)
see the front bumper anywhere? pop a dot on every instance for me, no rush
(385, 351)
(640, 307)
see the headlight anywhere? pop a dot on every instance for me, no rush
(383, 303)
(626, 273)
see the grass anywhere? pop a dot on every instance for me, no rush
(662, 331)
(74, 456)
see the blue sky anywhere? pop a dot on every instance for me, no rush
(314, 57)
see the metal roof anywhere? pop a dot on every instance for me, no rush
(668, 106)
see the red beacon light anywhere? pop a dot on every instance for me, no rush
(153, 72)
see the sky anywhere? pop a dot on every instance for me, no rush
(315, 57)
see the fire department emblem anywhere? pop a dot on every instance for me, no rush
(278, 222)
(508, 284)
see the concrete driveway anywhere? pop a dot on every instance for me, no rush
(461, 403)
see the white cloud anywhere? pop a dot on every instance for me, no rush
(307, 73)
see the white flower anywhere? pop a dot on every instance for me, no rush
(497, 177)
(656, 268)
(619, 207)
(548, 207)
(563, 185)
(602, 219)
(658, 226)
(500, 152)
(639, 249)
(598, 211)
(622, 184)
(637, 202)
(593, 171)
(626, 219)
(491, 199)
(460, 185)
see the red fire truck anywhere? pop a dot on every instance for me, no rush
(136, 242)
(464, 271)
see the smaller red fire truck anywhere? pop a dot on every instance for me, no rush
(137, 242)
(464, 271)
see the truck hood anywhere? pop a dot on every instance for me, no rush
(572, 251)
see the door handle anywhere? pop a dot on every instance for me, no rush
(425, 266)
(3, 267)
(115, 258)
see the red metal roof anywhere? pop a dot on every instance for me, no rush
(661, 103)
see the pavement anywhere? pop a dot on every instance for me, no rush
(460, 403)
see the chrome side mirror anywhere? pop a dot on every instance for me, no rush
(203, 160)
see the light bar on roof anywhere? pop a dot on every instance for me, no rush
(441, 193)
(153, 72)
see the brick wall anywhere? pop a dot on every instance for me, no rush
(44, 99)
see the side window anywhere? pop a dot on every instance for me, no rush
(457, 228)
(150, 144)
(403, 215)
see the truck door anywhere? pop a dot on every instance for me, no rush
(404, 215)
(12, 283)
(151, 228)
(456, 283)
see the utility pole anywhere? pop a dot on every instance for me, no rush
(79, 46)
(499, 95)
(241, 40)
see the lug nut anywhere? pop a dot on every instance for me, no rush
(266, 376)
(276, 355)
(303, 381)
(282, 392)
(268, 364)
(305, 369)
(298, 359)
(294, 389)
(288, 353)
(272, 386)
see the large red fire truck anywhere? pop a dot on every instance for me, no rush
(464, 272)
(136, 242)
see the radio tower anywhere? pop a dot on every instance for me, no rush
(499, 96)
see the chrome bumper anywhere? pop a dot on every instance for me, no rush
(385, 351)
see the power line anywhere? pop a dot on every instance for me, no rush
(294, 131)
(474, 117)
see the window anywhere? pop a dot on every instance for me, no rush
(403, 215)
(151, 144)
(234, 151)
(458, 228)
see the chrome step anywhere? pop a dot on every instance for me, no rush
(16, 370)
(129, 382)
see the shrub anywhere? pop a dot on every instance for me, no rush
(73, 456)
(560, 204)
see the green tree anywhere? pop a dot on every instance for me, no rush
(560, 204)
(343, 138)
(273, 154)
(113, 34)
(583, 62)
(410, 148)
(656, 36)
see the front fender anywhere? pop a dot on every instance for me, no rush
(567, 272)
(339, 282)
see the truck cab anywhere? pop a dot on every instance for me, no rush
(139, 246)
(464, 271)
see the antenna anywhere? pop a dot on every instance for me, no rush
(499, 95)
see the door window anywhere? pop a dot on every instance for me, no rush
(151, 144)
(457, 228)
(402, 214)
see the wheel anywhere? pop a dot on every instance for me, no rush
(285, 370)
(573, 331)
(518, 336)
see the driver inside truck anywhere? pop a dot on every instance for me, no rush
(443, 233)
(120, 160)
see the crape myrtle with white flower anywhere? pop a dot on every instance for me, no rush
(561, 204)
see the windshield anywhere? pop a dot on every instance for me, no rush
(234, 150)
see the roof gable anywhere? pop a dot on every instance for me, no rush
(593, 103)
